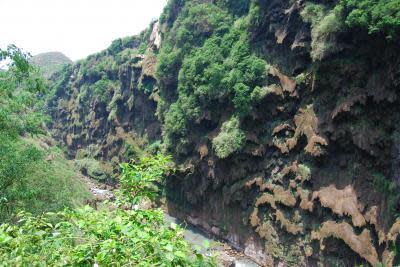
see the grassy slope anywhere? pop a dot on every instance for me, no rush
(50, 62)
(53, 184)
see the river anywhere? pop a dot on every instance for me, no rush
(197, 237)
(193, 235)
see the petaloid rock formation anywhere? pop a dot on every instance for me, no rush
(311, 165)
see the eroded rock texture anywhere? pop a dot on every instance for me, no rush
(312, 183)
(103, 106)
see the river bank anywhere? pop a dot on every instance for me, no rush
(208, 244)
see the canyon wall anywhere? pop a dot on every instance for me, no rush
(281, 118)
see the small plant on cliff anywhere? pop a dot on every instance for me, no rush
(138, 179)
(104, 87)
(325, 25)
(389, 189)
(301, 78)
(230, 139)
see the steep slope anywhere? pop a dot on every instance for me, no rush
(50, 62)
(281, 116)
(103, 106)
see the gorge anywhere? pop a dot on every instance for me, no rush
(281, 116)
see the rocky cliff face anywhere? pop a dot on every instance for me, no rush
(103, 106)
(283, 123)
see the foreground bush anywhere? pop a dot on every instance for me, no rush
(86, 237)
(139, 178)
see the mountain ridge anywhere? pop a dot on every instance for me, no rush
(50, 62)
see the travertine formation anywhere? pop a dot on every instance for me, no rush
(305, 123)
(362, 244)
(315, 177)
(341, 202)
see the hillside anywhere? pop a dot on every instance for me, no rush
(34, 174)
(281, 117)
(50, 62)
(45, 217)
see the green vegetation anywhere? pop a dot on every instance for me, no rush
(301, 78)
(388, 188)
(219, 69)
(33, 176)
(325, 25)
(195, 24)
(138, 179)
(230, 139)
(377, 16)
(50, 63)
(91, 168)
(103, 89)
(36, 178)
(53, 182)
(84, 237)
(210, 74)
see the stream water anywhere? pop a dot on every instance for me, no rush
(196, 238)
(192, 235)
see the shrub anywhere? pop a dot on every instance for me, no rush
(27, 180)
(377, 16)
(230, 139)
(259, 93)
(117, 237)
(131, 150)
(195, 24)
(217, 69)
(16, 161)
(170, 11)
(154, 147)
(116, 46)
(389, 189)
(91, 168)
(138, 178)
(324, 40)
(175, 120)
(179, 115)
(168, 64)
(254, 17)
(86, 237)
(199, 22)
(104, 87)
(218, 66)
(203, 72)
(301, 78)
(242, 98)
(313, 13)
(325, 25)
(238, 7)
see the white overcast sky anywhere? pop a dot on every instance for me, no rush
(76, 28)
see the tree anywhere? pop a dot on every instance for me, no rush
(19, 85)
(377, 16)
